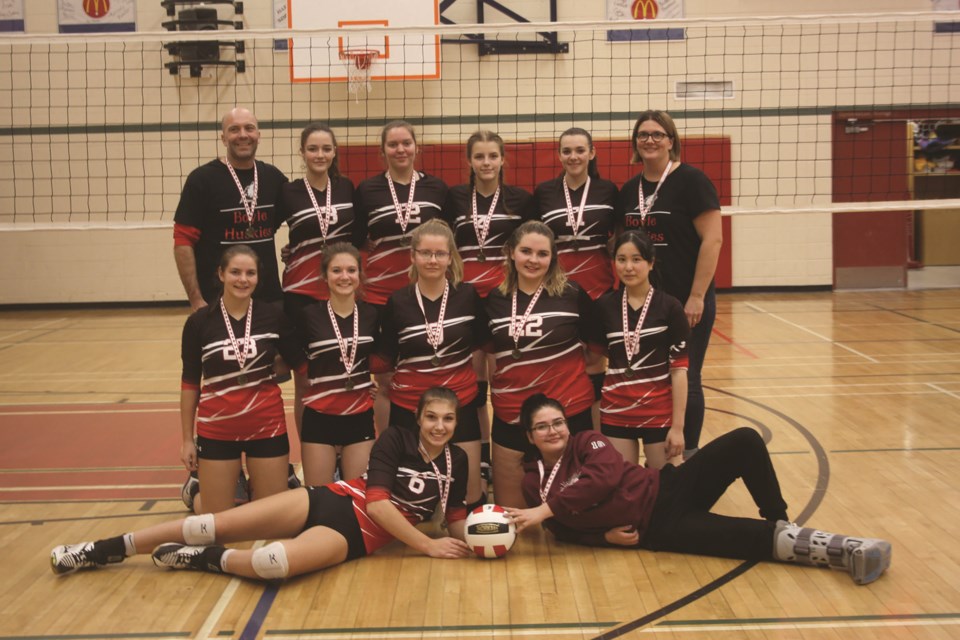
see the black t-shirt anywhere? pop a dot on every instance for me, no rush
(685, 194)
(211, 202)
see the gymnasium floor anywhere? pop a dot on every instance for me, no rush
(858, 395)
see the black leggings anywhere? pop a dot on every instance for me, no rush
(681, 520)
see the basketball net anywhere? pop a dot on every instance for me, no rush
(359, 63)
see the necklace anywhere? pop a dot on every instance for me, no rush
(324, 215)
(434, 331)
(406, 211)
(631, 339)
(644, 204)
(348, 352)
(516, 327)
(249, 206)
(241, 354)
(575, 221)
(482, 223)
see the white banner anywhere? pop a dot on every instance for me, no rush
(97, 16)
(11, 15)
(645, 12)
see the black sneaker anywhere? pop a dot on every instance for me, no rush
(189, 491)
(293, 482)
(174, 555)
(68, 558)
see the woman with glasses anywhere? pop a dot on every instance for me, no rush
(430, 330)
(678, 207)
(540, 323)
(584, 492)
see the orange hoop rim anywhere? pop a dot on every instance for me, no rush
(362, 58)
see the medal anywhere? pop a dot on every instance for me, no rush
(481, 224)
(241, 354)
(249, 206)
(348, 349)
(644, 205)
(434, 331)
(405, 211)
(443, 481)
(576, 245)
(324, 215)
(545, 488)
(405, 241)
(575, 220)
(631, 339)
(517, 325)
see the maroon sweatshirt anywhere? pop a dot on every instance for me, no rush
(594, 491)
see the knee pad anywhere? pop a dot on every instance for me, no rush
(199, 531)
(270, 562)
(865, 559)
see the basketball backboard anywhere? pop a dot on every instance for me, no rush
(400, 56)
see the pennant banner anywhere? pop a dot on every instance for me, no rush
(11, 15)
(96, 16)
(644, 11)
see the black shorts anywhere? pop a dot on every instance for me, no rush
(512, 436)
(210, 449)
(647, 435)
(336, 431)
(329, 509)
(468, 424)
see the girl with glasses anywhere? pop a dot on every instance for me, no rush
(430, 330)
(677, 205)
(583, 491)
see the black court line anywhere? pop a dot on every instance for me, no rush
(820, 490)
(139, 514)
(921, 320)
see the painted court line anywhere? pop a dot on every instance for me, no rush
(811, 332)
(91, 487)
(204, 633)
(39, 327)
(51, 412)
(934, 385)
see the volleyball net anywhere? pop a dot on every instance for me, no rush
(832, 113)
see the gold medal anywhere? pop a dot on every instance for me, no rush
(516, 354)
(242, 379)
(349, 385)
(435, 360)
(628, 372)
(250, 232)
(404, 241)
(481, 257)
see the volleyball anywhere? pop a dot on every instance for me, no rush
(489, 532)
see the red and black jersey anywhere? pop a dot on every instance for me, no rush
(551, 351)
(398, 473)
(404, 341)
(326, 372)
(235, 403)
(594, 490)
(514, 207)
(643, 399)
(584, 258)
(302, 273)
(389, 259)
(210, 203)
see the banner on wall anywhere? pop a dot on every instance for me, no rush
(280, 22)
(11, 15)
(647, 11)
(96, 16)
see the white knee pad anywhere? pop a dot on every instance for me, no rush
(270, 562)
(199, 531)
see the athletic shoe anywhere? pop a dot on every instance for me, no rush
(293, 482)
(189, 491)
(68, 558)
(242, 495)
(174, 555)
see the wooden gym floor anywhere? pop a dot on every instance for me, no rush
(858, 395)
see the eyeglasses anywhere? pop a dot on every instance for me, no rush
(557, 425)
(439, 255)
(658, 136)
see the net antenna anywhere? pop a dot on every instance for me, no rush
(359, 63)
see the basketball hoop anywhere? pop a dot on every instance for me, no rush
(359, 62)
